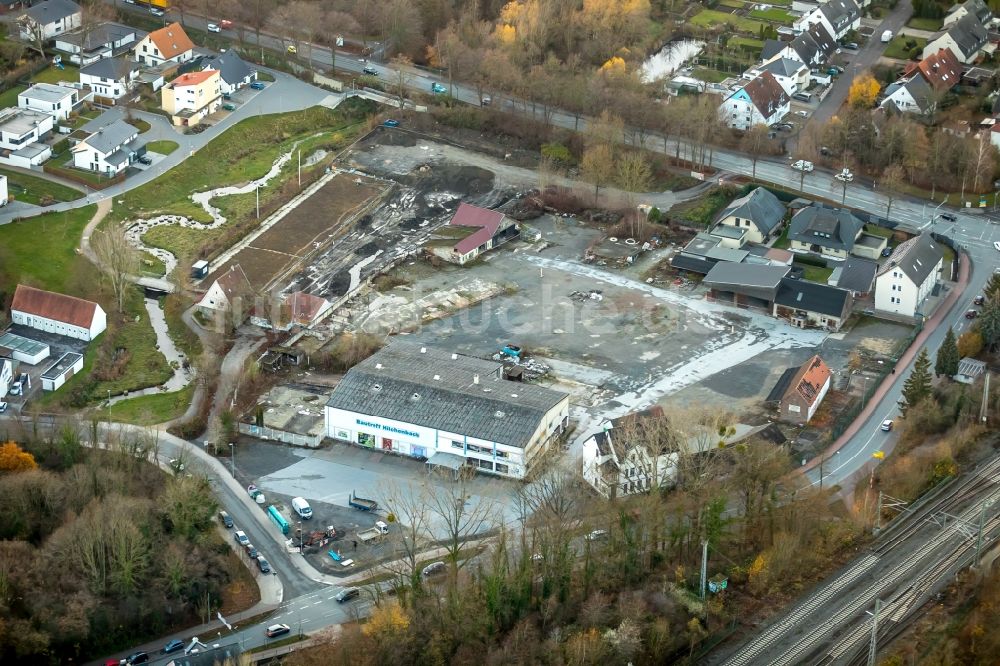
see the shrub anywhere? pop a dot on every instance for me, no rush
(557, 152)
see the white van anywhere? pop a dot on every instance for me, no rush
(302, 508)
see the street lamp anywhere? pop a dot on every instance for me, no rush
(109, 406)
(232, 457)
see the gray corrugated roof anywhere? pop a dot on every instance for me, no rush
(783, 67)
(760, 206)
(757, 276)
(51, 11)
(104, 34)
(829, 227)
(110, 68)
(916, 257)
(110, 138)
(812, 297)
(398, 383)
(232, 68)
(857, 274)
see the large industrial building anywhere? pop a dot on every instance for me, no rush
(456, 411)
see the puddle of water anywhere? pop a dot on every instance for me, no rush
(669, 59)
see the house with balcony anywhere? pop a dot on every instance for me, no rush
(108, 151)
(908, 277)
(106, 40)
(22, 136)
(192, 96)
(833, 233)
(110, 78)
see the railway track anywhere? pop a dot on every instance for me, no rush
(915, 556)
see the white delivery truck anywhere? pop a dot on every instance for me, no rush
(302, 508)
(887, 36)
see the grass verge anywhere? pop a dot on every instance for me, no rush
(38, 191)
(708, 18)
(140, 125)
(903, 46)
(52, 265)
(8, 98)
(54, 75)
(929, 24)
(709, 75)
(295, 638)
(163, 147)
(153, 409)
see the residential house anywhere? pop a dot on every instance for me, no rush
(832, 232)
(704, 251)
(472, 231)
(942, 70)
(109, 150)
(192, 96)
(57, 101)
(838, 17)
(965, 38)
(856, 275)
(234, 72)
(908, 277)
(976, 8)
(230, 295)
(168, 44)
(759, 212)
(912, 95)
(22, 132)
(745, 285)
(6, 376)
(105, 40)
(4, 196)
(761, 101)
(812, 47)
(45, 20)
(626, 456)
(800, 391)
(792, 74)
(110, 78)
(806, 304)
(7, 6)
(295, 309)
(57, 313)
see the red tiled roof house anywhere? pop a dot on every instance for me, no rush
(229, 295)
(805, 391)
(57, 313)
(472, 231)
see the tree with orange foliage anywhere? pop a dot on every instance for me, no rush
(387, 619)
(14, 459)
(864, 92)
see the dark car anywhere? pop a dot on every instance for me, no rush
(137, 658)
(887, 252)
(347, 594)
(948, 217)
(252, 551)
(257, 85)
(145, 159)
(391, 123)
(173, 646)
(263, 565)
(369, 70)
(971, 314)
(978, 300)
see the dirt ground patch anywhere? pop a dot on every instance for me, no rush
(314, 222)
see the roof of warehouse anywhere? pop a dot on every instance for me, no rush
(435, 389)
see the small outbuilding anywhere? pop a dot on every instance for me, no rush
(61, 371)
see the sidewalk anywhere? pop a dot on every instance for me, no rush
(875, 401)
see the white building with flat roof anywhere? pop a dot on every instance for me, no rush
(57, 101)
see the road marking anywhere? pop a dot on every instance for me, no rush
(318, 602)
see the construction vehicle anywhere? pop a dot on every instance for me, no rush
(373, 533)
(362, 503)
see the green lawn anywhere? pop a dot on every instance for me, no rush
(9, 97)
(52, 264)
(84, 118)
(898, 46)
(929, 24)
(708, 18)
(876, 230)
(746, 43)
(735, 4)
(162, 147)
(709, 75)
(53, 74)
(32, 189)
(140, 125)
(61, 165)
(815, 273)
(774, 15)
(782, 243)
(153, 409)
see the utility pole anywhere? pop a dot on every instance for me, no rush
(704, 566)
(257, 190)
(300, 168)
(873, 647)
(982, 407)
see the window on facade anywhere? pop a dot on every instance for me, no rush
(503, 469)
(457, 445)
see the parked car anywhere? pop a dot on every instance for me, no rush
(391, 123)
(226, 24)
(979, 300)
(438, 88)
(252, 551)
(137, 658)
(156, 12)
(802, 114)
(228, 107)
(347, 594)
(276, 630)
(971, 314)
(226, 519)
(996, 245)
(597, 535)
(213, 27)
(3, 407)
(263, 565)
(845, 175)
(258, 85)
(803, 165)
(433, 569)
(241, 538)
(173, 646)
(886, 425)
(145, 159)
(948, 217)
(887, 252)
(802, 96)
(851, 46)
(487, 100)
(369, 70)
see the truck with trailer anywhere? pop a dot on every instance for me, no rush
(373, 533)
(361, 503)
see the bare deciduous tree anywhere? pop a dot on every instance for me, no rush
(409, 531)
(118, 258)
(754, 143)
(459, 516)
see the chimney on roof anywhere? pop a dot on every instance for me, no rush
(378, 366)
(423, 350)
(454, 357)
(437, 378)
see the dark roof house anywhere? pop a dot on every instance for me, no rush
(766, 94)
(857, 275)
(841, 14)
(917, 258)
(813, 297)
(832, 228)
(760, 206)
(231, 67)
(52, 11)
(113, 69)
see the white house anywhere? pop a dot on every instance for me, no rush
(111, 77)
(229, 295)
(62, 371)
(57, 101)
(57, 313)
(977, 8)
(106, 40)
(47, 19)
(759, 213)
(812, 47)
(168, 44)
(22, 132)
(472, 231)
(793, 75)
(966, 38)
(904, 282)
(762, 101)
(109, 150)
(630, 455)
(234, 72)
(4, 195)
(804, 391)
(6, 376)
(913, 95)
(454, 411)
(839, 17)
